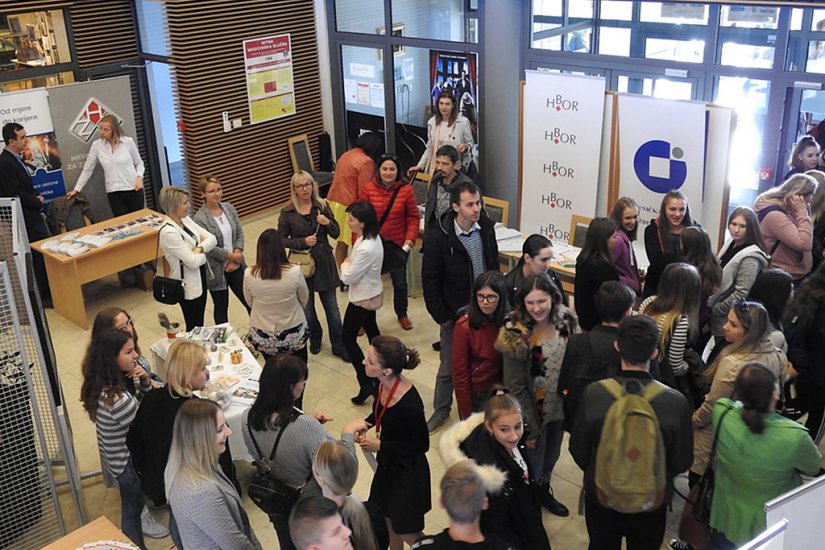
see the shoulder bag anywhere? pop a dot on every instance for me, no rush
(164, 289)
(272, 496)
(303, 258)
(394, 256)
(694, 525)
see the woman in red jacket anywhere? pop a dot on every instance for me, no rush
(476, 362)
(401, 225)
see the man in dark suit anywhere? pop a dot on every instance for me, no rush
(15, 181)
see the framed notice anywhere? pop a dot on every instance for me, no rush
(270, 86)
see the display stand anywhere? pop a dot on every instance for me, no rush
(36, 453)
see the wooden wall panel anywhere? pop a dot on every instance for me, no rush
(253, 161)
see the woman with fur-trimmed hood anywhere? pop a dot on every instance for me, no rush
(493, 440)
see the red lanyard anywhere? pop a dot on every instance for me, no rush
(380, 415)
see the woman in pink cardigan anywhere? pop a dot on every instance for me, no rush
(785, 222)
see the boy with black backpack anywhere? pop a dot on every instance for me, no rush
(632, 437)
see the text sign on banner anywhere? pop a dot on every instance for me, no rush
(269, 79)
(661, 147)
(30, 109)
(560, 157)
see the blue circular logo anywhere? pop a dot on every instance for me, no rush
(661, 150)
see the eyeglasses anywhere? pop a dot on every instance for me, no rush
(302, 186)
(126, 325)
(488, 298)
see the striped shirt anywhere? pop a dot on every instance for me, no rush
(112, 423)
(474, 247)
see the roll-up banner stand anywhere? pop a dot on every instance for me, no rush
(562, 129)
(43, 157)
(76, 110)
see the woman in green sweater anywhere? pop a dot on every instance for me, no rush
(760, 455)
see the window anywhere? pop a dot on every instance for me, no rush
(36, 39)
(154, 31)
(442, 20)
(364, 16)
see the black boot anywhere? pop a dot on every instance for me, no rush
(549, 502)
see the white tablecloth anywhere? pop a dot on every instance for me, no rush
(221, 367)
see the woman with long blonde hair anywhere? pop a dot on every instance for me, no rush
(207, 507)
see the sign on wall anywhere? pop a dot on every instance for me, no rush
(562, 131)
(41, 157)
(661, 147)
(270, 87)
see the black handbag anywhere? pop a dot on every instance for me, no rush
(164, 289)
(394, 256)
(269, 494)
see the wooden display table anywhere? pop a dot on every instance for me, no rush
(68, 273)
(99, 529)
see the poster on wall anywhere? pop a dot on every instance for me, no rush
(41, 156)
(270, 87)
(562, 132)
(76, 109)
(661, 147)
(456, 72)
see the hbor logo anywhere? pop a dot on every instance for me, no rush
(560, 104)
(552, 232)
(556, 201)
(555, 169)
(557, 136)
(667, 173)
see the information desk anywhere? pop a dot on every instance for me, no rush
(100, 529)
(244, 373)
(68, 273)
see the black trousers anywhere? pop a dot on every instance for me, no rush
(125, 202)
(220, 298)
(193, 310)
(354, 318)
(606, 527)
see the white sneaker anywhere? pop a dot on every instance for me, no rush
(152, 528)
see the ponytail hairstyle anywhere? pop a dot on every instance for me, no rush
(337, 467)
(499, 403)
(394, 355)
(755, 387)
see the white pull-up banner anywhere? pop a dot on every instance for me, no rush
(661, 147)
(562, 128)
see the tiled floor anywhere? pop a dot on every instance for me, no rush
(331, 384)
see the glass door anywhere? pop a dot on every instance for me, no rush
(362, 70)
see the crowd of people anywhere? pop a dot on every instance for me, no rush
(718, 350)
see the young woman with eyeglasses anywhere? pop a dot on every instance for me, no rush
(476, 361)
(307, 223)
(746, 332)
(226, 261)
(400, 225)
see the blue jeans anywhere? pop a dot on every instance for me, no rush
(399, 292)
(131, 505)
(329, 301)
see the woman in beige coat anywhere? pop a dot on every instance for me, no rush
(747, 332)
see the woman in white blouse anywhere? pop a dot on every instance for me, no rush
(185, 245)
(446, 127)
(122, 167)
(362, 272)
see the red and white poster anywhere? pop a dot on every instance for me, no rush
(270, 86)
